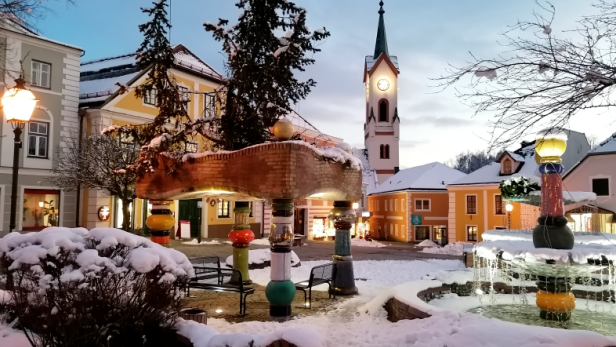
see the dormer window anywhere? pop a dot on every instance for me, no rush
(507, 167)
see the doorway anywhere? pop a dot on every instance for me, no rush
(190, 211)
(299, 226)
(440, 235)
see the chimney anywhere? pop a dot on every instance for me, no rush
(396, 169)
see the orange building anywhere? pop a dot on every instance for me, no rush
(412, 205)
(475, 202)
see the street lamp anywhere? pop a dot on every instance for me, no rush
(18, 104)
(509, 208)
(355, 207)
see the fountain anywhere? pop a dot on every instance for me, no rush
(560, 261)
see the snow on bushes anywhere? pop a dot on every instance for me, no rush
(74, 287)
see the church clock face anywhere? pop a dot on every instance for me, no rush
(383, 85)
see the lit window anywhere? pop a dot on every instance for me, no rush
(223, 209)
(38, 136)
(40, 74)
(192, 147)
(422, 205)
(41, 209)
(471, 233)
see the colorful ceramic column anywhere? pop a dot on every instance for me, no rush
(343, 217)
(161, 221)
(554, 297)
(241, 236)
(280, 291)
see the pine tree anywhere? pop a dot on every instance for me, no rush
(269, 43)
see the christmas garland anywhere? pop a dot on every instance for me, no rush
(517, 188)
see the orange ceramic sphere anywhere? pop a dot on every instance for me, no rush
(241, 236)
(160, 221)
(563, 302)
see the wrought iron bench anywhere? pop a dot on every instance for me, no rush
(212, 278)
(321, 274)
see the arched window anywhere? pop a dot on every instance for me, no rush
(383, 106)
(382, 152)
(386, 151)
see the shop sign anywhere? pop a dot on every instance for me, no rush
(415, 219)
(366, 214)
(104, 213)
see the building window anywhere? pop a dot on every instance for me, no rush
(41, 209)
(41, 74)
(38, 136)
(385, 205)
(507, 168)
(391, 204)
(223, 209)
(500, 228)
(383, 111)
(149, 98)
(471, 204)
(192, 147)
(386, 151)
(422, 204)
(382, 152)
(402, 205)
(209, 105)
(422, 232)
(396, 205)
(119, 216)
(378, 205)
(471, 233)
(601, 186)
(126, 140)
(498, 205)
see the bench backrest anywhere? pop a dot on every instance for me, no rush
(323, 272)
(212, 275)
(211, 261)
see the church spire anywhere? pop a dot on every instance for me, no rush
(381, 37)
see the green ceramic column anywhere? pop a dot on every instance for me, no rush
(343, 217)
(280, 291)
(241, 236)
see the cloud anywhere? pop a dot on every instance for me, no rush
(441, 122)
(411, 143)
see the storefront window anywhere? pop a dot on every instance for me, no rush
(41, 209)
(119, 214)
(422, 233)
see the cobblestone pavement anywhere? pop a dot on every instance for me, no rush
(321, 250)
(257, 307)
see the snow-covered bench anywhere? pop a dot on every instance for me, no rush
(321, 274)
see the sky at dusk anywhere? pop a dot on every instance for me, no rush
(424, 35)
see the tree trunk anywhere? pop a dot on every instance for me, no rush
(126, 214)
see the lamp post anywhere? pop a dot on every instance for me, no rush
(355, 207)
(509, 208)
(18, 104)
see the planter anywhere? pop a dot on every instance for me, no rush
(194, 314)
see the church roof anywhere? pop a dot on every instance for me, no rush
(381, 36)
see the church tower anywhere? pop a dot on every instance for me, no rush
(382, 127)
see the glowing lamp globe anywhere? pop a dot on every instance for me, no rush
(509, 207)
(241, 236)
(550, 146)
(355, 206)
(283, 129)
(18, 103)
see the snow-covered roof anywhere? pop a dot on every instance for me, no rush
(607, 146)
(432, 176)
(491, 174)
(98, 77)
(13, 26)
(370, 61)
(368, 175)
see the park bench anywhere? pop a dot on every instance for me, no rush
(298, 240)
(321, 274)
(213, 278)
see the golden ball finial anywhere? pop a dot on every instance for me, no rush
(283, 129)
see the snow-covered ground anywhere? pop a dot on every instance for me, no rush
(363, 243)
(456, 248)
(261, 255)
(197, 243)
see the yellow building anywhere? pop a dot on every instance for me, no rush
(101, 106)
(475, 202)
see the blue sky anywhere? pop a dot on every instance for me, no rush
(425, 35)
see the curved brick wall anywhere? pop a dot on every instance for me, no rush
(281, 170)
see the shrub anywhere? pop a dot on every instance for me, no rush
(104, 287)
